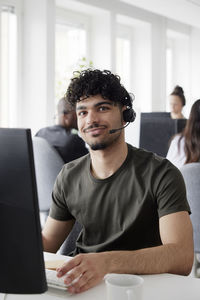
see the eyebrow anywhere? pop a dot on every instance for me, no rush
(96, 105)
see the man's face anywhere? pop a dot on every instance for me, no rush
(96, 117)
(70, 120)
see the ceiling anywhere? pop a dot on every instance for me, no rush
(185, 11)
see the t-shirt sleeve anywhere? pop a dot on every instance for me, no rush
(170, 191)
(59, 209)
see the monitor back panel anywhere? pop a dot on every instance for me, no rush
(157, 131)
(21, 256)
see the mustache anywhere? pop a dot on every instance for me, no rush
(95, 125)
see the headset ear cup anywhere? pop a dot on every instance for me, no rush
(129, 115)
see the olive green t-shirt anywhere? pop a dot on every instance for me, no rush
(122, 211)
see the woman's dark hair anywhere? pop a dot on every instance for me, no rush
(178, 91)
(191, 134)
(95, 82)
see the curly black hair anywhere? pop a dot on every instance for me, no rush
(95, 82)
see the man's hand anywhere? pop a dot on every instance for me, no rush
(175, 256)
(86, 269)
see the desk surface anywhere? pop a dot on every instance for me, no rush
(156, 287)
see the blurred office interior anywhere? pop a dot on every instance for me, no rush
(152, 44)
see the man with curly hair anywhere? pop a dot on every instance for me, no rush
(131, 203)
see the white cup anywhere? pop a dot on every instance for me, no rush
(124, 287)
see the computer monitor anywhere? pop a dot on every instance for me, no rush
(157, 131)
(160, 114)
(21, 255)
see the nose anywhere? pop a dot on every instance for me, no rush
(92, 117)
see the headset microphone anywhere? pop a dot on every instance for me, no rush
(115, 130)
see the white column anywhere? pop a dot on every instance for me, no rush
(37, 64)
(158, 64)
(0, 70)
(50, 67)
(195, 64)
(101, 40)
(113, 26)
(141, 67)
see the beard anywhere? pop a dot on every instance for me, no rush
(98, 146)
(104, 144)
(101, 145)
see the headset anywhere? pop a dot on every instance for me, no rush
(129, 116)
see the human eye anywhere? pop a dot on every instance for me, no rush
(103, 108)
(82, 113)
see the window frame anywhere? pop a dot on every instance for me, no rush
(75, 19)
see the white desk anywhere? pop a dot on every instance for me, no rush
(156, 287)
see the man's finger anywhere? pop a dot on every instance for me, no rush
(92, 282)
(66, 267)
(74, 274)
(83, 280)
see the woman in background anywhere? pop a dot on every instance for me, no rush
(185, 147)
(177, 101)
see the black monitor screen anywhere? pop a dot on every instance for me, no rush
(21, 256)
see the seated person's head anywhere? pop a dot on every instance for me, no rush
(95, 82)
(192, 129)
(192, 134)
(177, 101)
(66, 114)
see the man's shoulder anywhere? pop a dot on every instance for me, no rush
(49, 129)
(139, 154)
(147, 160)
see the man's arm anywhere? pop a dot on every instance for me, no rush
(174, 256)
(54, 233)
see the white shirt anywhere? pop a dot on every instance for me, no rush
(177, 154)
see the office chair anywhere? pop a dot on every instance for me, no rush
(48, 164)
(191, 175)
(70, 243)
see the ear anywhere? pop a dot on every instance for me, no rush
(123, 108)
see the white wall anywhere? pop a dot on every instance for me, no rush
(132, 131)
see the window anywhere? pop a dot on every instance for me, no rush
(70, 50)
(123, 57)
(123, 60)
(177, 62)
(8, 66)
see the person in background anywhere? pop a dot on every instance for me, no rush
(64, 136)
(130, 202)
(185, 147)
(177, 102)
